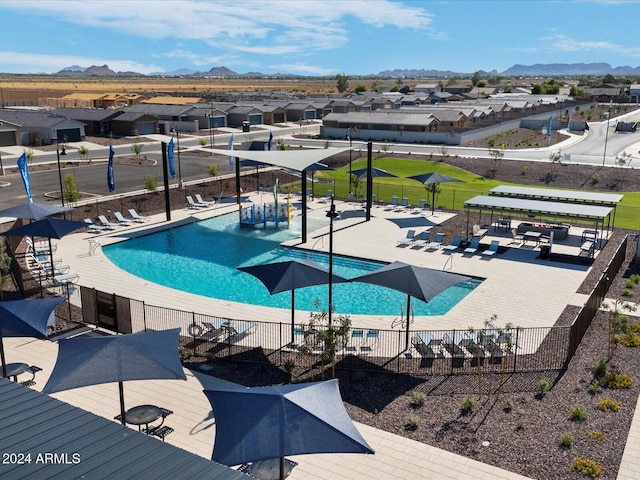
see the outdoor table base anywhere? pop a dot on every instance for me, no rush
(143, 415)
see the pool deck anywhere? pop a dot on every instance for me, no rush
(518, 271)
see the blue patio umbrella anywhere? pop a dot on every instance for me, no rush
(33, 211)
(84, 361)
(289, 275)
(261, 423)
(420, 282)
(433, 178)
(25, 318)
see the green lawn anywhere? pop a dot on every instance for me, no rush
(452, 195)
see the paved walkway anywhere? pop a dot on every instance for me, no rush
(528, 280)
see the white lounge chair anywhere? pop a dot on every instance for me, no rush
(95, 228)
(454, 245)
(123, 220)
(437, 242)
(199, 199)
(409, 239)
(137, 217)
(194, 204)
(39, 248)
(493, 248)
(107, 223)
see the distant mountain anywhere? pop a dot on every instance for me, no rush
(219, 72)
(176, 73)
(552, 69)
(72, 68)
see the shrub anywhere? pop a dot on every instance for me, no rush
(627, 293)
(593, 388)
(578, 413)
(596, 435)
(412, 422)
(616, 380)
(607, 404)
(630, 283)
(630, 340)
(419, 398)
(595, 178)
(587, 467)
(635, 278)
(566, 440)
(71, 193)
(469, 403)
(150, 183)
(600, 368)
(543, 386)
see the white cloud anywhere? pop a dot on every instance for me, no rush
(302, 69)
(20, 62)
(567, 44)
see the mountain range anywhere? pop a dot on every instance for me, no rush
(547, 70)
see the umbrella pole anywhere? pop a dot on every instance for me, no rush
(433, 199)
(406, 345)
(53, 274)
(281, 468)
(4, 363)
(293, 314)
(121, 389)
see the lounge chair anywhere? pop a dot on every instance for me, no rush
(369, 341)
(39, 248)
(437, 242)
(493, 248)
(454, 245)
(240, 329)
(403, 206)
(95, 228)
(473, 246)
(392, 204)
(423, 239)
(357, 336)
(408, 239)
(45, 266)
(137, 217)
(327, 197)
(420, 207)
(194, 204)
(121, 219)
(107, 223)
(516, 237)
(199, 199)
(479, 232)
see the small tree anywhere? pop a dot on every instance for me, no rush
(496, 155)
(150, 183)
(623, 160)
(70, 189)
(83, 151)
(136, 148)
(342, 82)
(30, 156)
(213, 171)
(356, 183)
(361, 87)
(556, 159)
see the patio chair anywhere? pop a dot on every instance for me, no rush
(327, 197)
(199, 199)
(473, 246)
(408, 239)
(39, 248)
(437, 242)
(355, 342)
(479, 232)
(137, 217)
(423, 239)
(403, 206)
(193, 204)
(369, 341)
(93, 228)
(45, 267)
(107, 223)
(516, 237)
(420, 207)
(454, 245)
(493, 248)
(121, 219)
(392, 204)
(240, 329)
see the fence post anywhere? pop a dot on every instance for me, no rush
(515, 351)
(144, 316)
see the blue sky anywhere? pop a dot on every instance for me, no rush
(309, 37)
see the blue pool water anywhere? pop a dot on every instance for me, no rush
(202, 258)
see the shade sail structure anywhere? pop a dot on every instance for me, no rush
(290, 275)
(25, 318)
(48, 228)
(261, 423)
(419, 282)
(33, 211)
(84, 361)
(431, 179)
(375, 173)
(299, 160)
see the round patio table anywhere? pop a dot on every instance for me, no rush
(142, 415)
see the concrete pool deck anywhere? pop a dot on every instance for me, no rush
(517, 271)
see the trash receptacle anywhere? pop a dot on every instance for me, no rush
(246, 126)
(545, 252)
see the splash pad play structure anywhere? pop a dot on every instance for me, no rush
(274, 212)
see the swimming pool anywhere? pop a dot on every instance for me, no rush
(202, 258)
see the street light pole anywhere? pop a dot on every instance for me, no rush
(211, 127)
(331, 214)
(606, 137)
(59, 177)
(350, 146)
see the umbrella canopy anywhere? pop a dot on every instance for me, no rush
(25, 318)
(48, 228)
(419, 282)
(375, 172)
(283, 276)
(269, 422)
(33, 211)
(84, 361)
(431, 179)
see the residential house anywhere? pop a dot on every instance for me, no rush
(42, 128)
(134, 123)
(96, 120)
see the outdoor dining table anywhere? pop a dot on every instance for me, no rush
(533, 236)
(143, 415)
(15, 369)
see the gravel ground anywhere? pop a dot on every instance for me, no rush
(522, 428)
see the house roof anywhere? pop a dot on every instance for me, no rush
(88, 114)
(160, 109)
(84, 96)
(86, 445)
(172, 100)
(29, 118)
(383, 117)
